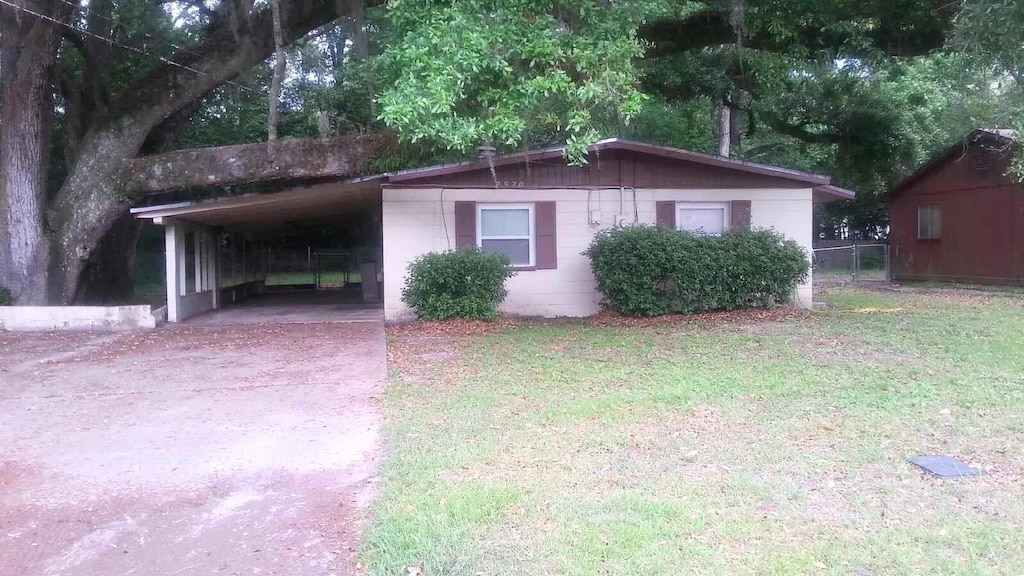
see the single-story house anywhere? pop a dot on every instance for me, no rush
(960, 217)
(530, 206)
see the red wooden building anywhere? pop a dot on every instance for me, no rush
(960, 218)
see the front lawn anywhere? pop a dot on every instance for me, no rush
(764, 444)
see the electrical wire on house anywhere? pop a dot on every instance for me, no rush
(444, 221)
(622, 205)
(113, 42)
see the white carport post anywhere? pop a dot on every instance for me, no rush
(206, 270)
(174, 255)
(208, 262)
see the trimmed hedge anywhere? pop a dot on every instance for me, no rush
(649, 271)
(464, 283)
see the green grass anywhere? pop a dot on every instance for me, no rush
(293, 278)
(741, 448)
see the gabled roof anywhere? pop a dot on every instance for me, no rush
(994, 136)
(610, 144)
(823, 191)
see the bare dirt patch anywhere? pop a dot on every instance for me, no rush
(189, 450)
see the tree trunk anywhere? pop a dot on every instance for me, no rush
(724, 129)
(87, 205)
(109, 275)
(27, 61)
(278, 78)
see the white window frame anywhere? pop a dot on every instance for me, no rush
(529, 207)
(929, 234)
(723, 206)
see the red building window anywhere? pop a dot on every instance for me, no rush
(929, 222)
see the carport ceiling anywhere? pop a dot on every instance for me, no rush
(274, 212)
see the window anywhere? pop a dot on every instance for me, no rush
(702, 217)
(929, 222)
(508, 229)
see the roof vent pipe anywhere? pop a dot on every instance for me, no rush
(486, 152)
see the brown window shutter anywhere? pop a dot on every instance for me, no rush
(465, 224)
(739, 215)
(545, 227)
(666, 214)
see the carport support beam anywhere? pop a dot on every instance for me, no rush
(174, 255)
(214, 266)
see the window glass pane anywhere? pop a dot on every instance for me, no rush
(504, 222)
(929, 222)
(706, 221)
(518, 251)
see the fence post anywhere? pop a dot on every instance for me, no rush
(888, 269)
(856, 263)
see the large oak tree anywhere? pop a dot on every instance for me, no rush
(48, 234)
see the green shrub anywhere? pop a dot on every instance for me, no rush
(457, 284)
(648, 271)
(5, 297)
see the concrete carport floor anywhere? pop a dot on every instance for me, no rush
(189, 450)
(217, 251)
(298, 307)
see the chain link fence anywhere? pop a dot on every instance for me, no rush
(851, 263)
(310, 267)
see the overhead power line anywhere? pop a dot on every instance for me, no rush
(146, 34)
(113, 42)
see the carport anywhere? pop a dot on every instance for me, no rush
(217, 253)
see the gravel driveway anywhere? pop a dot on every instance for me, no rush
(189, 450)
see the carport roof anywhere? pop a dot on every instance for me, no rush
(305, 204)
(326, 200)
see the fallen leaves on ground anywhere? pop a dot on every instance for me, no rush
(462, 327)
(455, 327)
(741, 316)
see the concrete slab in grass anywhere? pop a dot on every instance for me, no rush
(944, 466)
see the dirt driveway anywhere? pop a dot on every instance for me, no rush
(188, 450)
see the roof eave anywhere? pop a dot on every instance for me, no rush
(831, 193)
